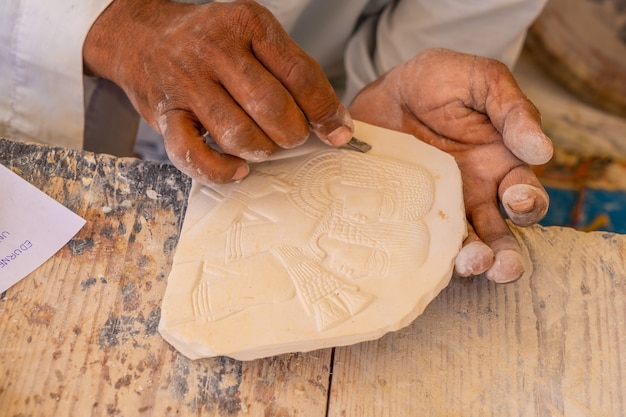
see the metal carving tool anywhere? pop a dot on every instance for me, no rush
(358, 145)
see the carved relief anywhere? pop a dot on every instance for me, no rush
(319, 235)
(328, 224)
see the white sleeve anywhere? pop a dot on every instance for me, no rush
(41, 68)
(492, 28)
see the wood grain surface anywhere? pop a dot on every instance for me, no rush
(78, 336)
(582, 44)
(551, 344)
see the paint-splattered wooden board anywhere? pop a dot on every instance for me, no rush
(78, 336)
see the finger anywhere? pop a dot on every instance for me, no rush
(515, 117)
(188, 151)
(232, 128)
(491, 228)
(305, 80)
(522, 134)
(507, 267)
(523, 197)
(475, 257)
(265, 100)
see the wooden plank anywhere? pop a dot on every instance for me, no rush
(79, 335)
(582, 45)
(573, 124)
(552, 344)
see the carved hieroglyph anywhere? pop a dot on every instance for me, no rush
(318, 247)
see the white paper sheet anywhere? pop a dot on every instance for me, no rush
(33, 227)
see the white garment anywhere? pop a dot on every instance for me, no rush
(41, 68)
(42, 96)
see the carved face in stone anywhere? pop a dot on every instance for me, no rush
(369, 211)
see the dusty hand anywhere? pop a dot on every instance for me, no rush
(226, 68)
(472, 108)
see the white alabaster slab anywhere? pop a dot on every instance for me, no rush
(318, 247)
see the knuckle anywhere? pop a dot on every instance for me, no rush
(300, 68)
(266, 100)
(242, 139)
(250, 17)
(325, 111)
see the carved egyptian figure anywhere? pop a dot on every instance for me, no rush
(320, 223)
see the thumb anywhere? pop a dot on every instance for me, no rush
(188, 151)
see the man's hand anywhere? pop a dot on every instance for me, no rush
(228, 69)
(472, 108)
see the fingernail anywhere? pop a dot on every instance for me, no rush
(508, 267)
(522, 206)
(340, 136)
(241, 172)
